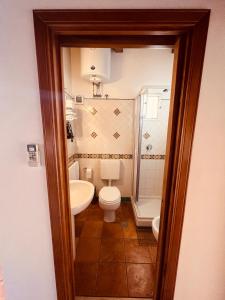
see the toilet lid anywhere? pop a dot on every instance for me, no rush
(109, 194)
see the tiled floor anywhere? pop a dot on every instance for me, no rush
(113, 259)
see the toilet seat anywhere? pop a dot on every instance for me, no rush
(109, 195)
(109, 201)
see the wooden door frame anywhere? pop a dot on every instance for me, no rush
(187, 30)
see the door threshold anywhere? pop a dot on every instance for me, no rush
(109, 298)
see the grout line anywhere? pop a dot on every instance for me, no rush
(128, 291)
(96, 279)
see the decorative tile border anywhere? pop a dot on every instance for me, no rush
(153, 156)
(73, 157)
(104, 156)
(99, 156)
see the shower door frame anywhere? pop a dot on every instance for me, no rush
(187, 30)
(145, 221)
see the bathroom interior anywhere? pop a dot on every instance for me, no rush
(117, 103)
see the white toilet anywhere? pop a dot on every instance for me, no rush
(110, 196)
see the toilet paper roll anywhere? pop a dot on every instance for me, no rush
(88, 173)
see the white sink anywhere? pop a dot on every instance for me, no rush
(155, 227)
(81, 195)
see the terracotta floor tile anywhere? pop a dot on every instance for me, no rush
(112, 280)
(112, 230)
(127, 211)
(146, 234)
(88, 250)
(146, 242)
(93, 205)
(153, 252)
(82, 216)
(140, 280)
(136, 253)
(118, 215)
(112, 250)
(92, 229)
(86, 277)
(78, 227)
(119, 210)
(129, 229)
(95, 214)
(113, 258)
(154, 270)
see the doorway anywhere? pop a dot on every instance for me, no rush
(186, 30)
(124, 123)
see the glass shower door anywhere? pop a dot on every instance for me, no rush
(151, 148)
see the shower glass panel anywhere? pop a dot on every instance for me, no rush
(152, 115)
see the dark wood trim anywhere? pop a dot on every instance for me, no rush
(139, 41)
(50, 82)
(186, 30)
(171, 164)
(117, 50)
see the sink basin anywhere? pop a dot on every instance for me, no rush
(81, 195)
(155, 227)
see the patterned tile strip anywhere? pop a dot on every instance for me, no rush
(153, 156)
(70, 159)
(105, 156)
(98, 156)
(112, 156)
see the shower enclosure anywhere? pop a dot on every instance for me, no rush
(150, 123)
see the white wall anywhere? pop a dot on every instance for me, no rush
(25, 250)
(130, 71)
(66, 69)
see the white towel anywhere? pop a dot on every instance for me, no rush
(70, 117)
(70, 114)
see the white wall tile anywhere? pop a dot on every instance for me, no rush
(105, 123)
(152, 170)
(125, 183)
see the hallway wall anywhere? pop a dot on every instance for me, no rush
(25, 248)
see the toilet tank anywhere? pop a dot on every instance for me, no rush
(74, 171)
(110, 169)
